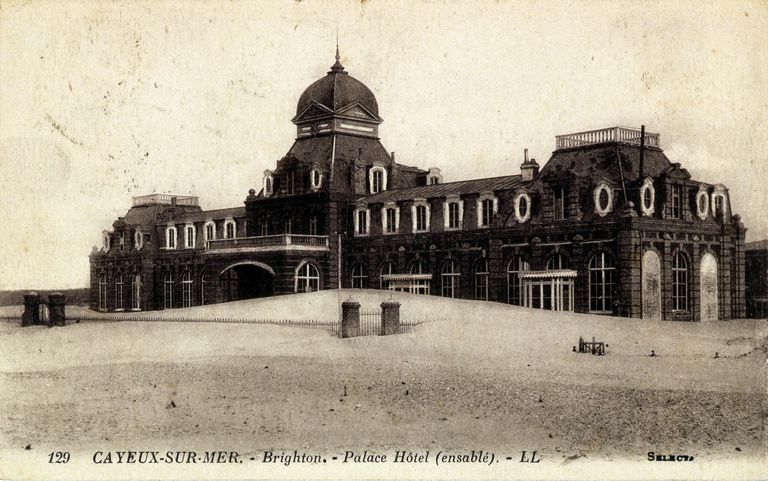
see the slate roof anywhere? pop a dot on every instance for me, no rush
(204, 215)
(601, 160)
(759, 245)
(144, 215)
(336, 90)
(473, 186)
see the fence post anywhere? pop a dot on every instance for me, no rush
(390, 318)
(56, 313)
(31, 313)
(350, 319)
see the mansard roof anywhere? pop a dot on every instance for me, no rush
(608, 160)
(214, 214)
(474, 186)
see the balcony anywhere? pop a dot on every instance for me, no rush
(269, 243)
(165, 199)
(612, 134)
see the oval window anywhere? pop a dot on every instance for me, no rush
(523, 206)
(647, 198)
(604, 199)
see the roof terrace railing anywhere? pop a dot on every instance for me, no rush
(612, 134)
(270, 242)
(167, 199)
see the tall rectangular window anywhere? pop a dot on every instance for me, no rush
(559, 207)
(677, 194)
(421, 218)
(362, 222)
(453, 215)
(190, 237)
(391, 226)
(486, 213)
(291, 183)
(312, 225)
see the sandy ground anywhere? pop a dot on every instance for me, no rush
(488, 377)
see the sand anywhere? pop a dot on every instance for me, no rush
(479, 376)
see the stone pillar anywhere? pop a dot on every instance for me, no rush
(57, 315)
(390, 318)
(350, 319)
(31, 315)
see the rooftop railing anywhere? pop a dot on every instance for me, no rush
(270, 242)
(167, 199)
(612, 134)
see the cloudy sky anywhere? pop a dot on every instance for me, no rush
(101, 101)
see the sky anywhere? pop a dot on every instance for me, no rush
(102, 101)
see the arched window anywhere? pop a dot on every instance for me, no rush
(189, 236)
(556, 262)
(419, 267)
(386, 269)
(601, 282)
(203, 285)
(515, 267)
(269, 183)
(377, 178)
(679, 282)
(481, 280)
(119, 292)
(168, 290)
(106, 241)
(449, 277)
(136, 291)
(390, 218)
(170, 236)
(231, 285)
(138, 240)
(210, 230)
(307, 278)
(230, 231)
(485, 210)
(420, 213)
(103, 292)
(359, 276)
(186, 289)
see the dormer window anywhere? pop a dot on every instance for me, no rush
(230, 229)
(316, 178)
(522, 207)
(269, 183)
(362, 220)
(120, 241)
(291, 184)
(453, 212)
(377, 179)
(434, 176)
(718, 202)
(603, 200)
(210, 230)
(420, 214)
(390, 218)
(138, 240)
(702, 203)
(647, 198)
(106, 241)
(487, 206)
(170, 236)
(189, 235)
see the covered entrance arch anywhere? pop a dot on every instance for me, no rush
(246, 280)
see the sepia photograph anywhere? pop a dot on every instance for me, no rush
(370, 239)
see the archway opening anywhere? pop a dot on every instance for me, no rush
(246, 281)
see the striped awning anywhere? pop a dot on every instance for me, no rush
(554, 274)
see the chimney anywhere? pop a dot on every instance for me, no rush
(393, 156)
(529, 169)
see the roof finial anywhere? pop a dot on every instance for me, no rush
(337, 67)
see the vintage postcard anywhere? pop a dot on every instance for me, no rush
(383, 239)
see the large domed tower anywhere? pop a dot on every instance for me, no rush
(337, 149)
(337, 103)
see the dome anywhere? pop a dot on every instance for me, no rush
(336, 90)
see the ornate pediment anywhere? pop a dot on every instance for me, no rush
(314, 110)
(357, 111)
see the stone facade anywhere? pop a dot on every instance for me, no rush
(608, 225)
